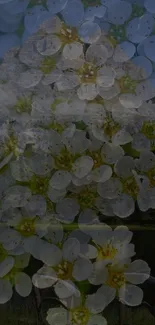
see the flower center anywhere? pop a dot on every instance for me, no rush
(56, 126)
(110, 127)
(130, 187)
(65, 159)
(39, 185)
(137, 11)
(148, 129)
(68, 35)
(151, 176)
(86, 198)
(26, 227)
(116, 277)
(80, 316)
(127, 84)
(64, 270)
(11, 146)
(23, 105)
(96, 156)
(48, 64)
(106, 252)
(88, 73)
(117, 34)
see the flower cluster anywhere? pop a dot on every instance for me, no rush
(77, 145)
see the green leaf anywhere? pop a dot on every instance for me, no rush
(80, 125)
(83, 286)
(34, 3)
(20, 29)
(130, 151)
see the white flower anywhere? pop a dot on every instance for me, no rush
(23, 228)
(15, 196)
(110, 128)
(57, 35)
(29, 78)
(146, 180)
(119, 12)
(35, 172)
(12, 275)
(88, 221)
(63, 268)
(91, 12)
(134, 79)
(92, 74)
(54, 233)
(111, 245)
(89, 32)
(123, 189)
(144, 137)
(67, 209)
(85, 195)
(77, 312)
(12, 142)
(71, 160)
(139, 28)
(73, 13)
(121, 279)
(10, 68)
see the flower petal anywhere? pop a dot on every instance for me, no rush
(72, 51)
(16, 196)
(101, 174)
(123, 206)
(29, 78)
(89, 32)
(48, 45)
(60, 180)
(107, 292)
(5, 291)
(65, 289)
(6, 266)
(87, 91)
(82, 269)
(23, 284)
(99, 274)
(71, 249)
(105, 77)
(67, 210)
(10, 238)
(97, 54)
(111, 152)
(44, 278)
(124, 52)
(97, 319)
(73, 13)
(131, 295)
(57, 316)
(119, 12)
(88, 251)
(150, 6)
(50, 254)
(82, 166)
(137, 272)
(95, 304)
(110, 189)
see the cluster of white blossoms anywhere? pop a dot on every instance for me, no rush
(77, 134)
